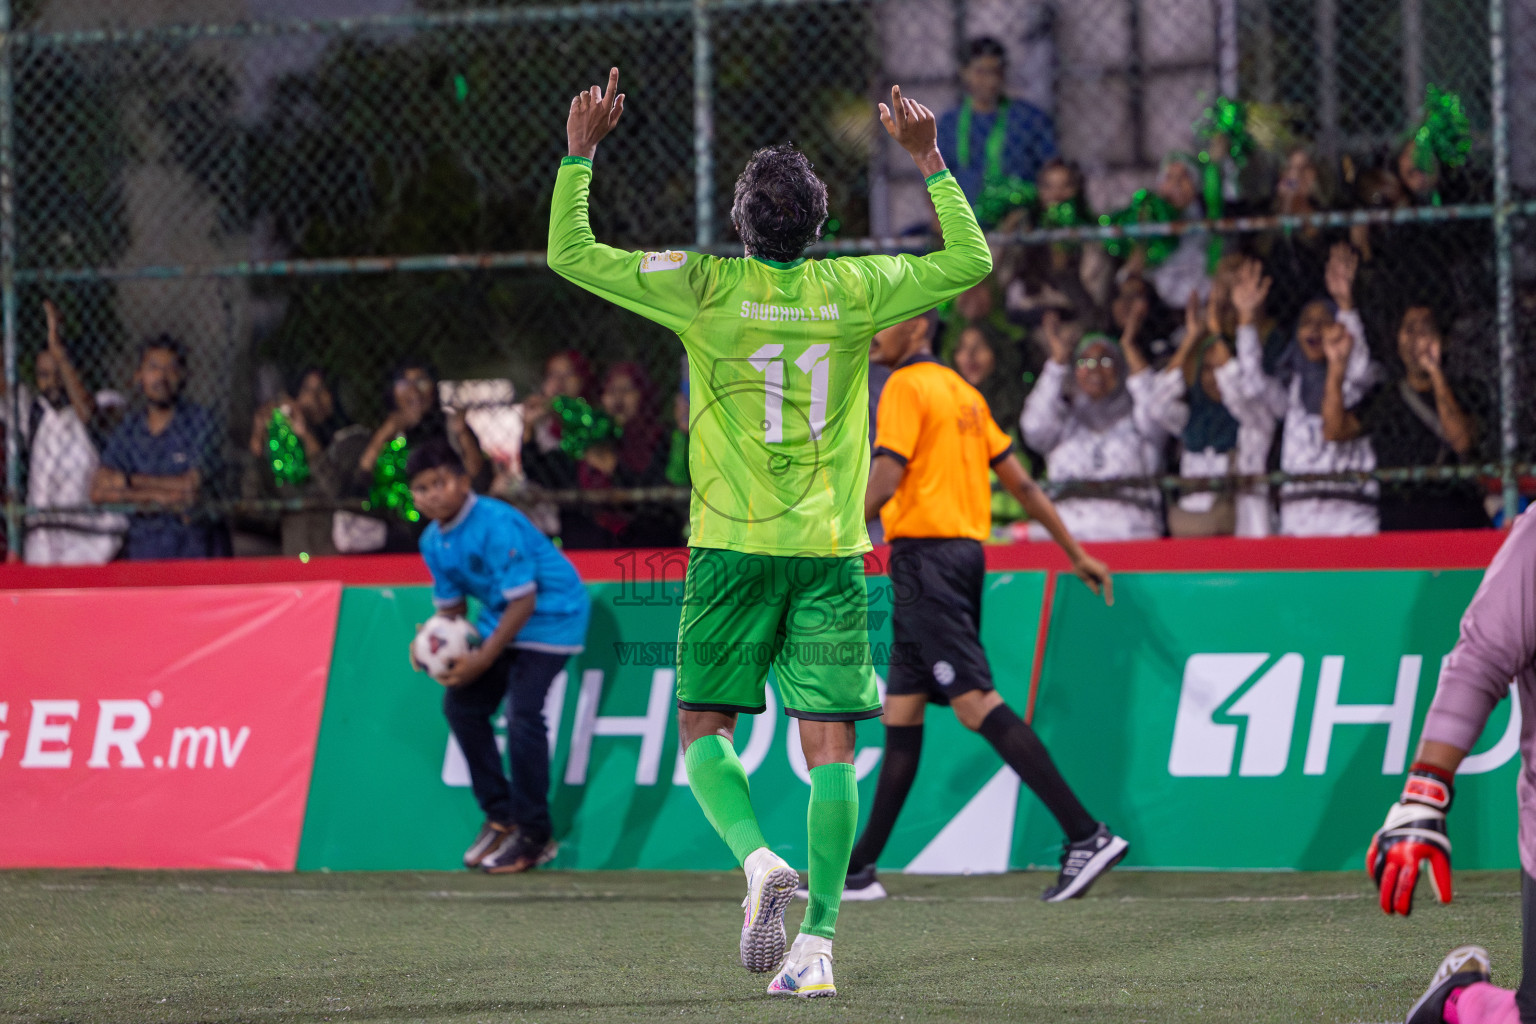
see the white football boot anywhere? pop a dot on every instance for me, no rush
(771, 886)
(808, 971)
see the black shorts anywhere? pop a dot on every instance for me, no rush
(936, 614)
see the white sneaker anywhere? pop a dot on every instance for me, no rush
(808, 971)
(771, 886)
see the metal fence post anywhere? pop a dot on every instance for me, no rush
(1503, 256)
(703, 127)
(8, 284)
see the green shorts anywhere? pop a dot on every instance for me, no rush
(806, 617)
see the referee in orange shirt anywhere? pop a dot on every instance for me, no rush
(928, 482)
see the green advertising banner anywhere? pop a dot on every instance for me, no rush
(1259, 720)
(390, 790)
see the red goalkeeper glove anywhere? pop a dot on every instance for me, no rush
(1413, 833)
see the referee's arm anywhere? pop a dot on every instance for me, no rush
(885, 473)
(1043, 511)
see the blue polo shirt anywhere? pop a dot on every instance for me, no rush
(189, 441)
(491, 552)
(1030, 141)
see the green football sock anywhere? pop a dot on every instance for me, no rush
(719, 784)
(832, 819)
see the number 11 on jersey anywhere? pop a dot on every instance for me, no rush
(813, 362)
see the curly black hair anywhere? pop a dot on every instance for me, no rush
(780, 204)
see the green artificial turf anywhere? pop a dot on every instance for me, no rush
(552, 947)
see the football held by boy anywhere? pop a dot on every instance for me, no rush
(533, 617)
(935, 441)
(778, 457)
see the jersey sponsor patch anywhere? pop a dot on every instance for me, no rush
(669, 260)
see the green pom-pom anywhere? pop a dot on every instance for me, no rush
(1147, 207)
(1229, 119)
(1073, 213)
(290, 463)
(391, 490)
(582, 426)
(999, 198)
(1444, 138)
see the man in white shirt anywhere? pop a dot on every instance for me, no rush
(61, 461)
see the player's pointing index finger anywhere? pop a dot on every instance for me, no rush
(610, 94)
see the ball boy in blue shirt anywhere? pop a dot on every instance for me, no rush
(533, 617)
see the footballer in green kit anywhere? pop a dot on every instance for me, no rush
(778, 357)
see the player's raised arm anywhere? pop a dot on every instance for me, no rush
(900, 287)
(657, 285)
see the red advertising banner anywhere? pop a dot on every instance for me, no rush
(160, 728)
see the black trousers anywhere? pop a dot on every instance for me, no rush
(1525, 995)
(522, 679)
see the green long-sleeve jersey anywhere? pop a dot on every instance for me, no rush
(778, 362)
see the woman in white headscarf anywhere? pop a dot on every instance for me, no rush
(1108, 425)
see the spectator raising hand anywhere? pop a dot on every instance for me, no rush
(1324, 375)
(61, 463)
(1421, 420)
(1250, 289)
(1339, 275)
(1106, 427)
(1199, 399)
(1057, 341)
(80, 399)
(1218, 354)
(1429, 354)
(1336, 346)
(1196, 327)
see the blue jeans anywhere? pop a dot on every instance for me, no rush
(522, 679)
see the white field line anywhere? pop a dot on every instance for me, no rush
(450, 894)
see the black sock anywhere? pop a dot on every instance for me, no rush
(903, 748)
(1012, 738)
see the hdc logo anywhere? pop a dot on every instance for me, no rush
(1219, 689)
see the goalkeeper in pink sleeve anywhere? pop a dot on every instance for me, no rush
(1497, 648)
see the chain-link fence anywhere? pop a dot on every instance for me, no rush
(316, 216)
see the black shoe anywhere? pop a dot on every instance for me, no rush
(1466, 965)
(492, 834)
(522, 853)
(1083, 862)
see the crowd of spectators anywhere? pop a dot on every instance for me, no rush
(1326, 353)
